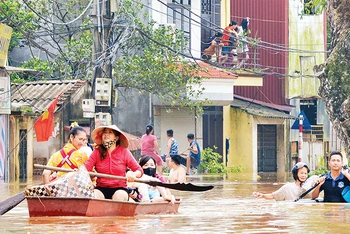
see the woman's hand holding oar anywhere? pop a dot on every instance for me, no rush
(177, 186)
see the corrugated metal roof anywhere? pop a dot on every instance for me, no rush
(259, 110)
(285, 108)
(269, 22)
(39, 94)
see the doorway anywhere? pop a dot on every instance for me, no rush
(23, 154)
(213, 128)
(267, 148)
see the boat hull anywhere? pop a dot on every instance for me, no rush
(91, 207)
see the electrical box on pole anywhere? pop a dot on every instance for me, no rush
(88, 106)
(102, 119)
(103, 91)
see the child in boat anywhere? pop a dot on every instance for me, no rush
(177, 171)
(150, 193)
(290, 191)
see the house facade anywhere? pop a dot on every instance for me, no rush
(28, 101)
(291, 40)
(5, 111)
(5, 117)
(208, 127)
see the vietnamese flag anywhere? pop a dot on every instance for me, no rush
(44, 126)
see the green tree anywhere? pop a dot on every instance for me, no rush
(55, 28)
(334, 74)
(13, 14)
(143, 57)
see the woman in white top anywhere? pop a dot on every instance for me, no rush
(290, 191)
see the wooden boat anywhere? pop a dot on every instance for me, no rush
(92, 207)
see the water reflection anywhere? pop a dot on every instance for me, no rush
(228, 208)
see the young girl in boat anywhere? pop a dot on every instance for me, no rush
(290, 191)
(112, 156)
(69, 156)
(150, 193)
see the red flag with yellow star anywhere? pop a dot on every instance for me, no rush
(44, 126)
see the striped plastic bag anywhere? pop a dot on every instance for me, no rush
(72, 184)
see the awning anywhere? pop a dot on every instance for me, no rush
(260, 110)
(19, 69)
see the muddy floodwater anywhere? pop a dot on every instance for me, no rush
(228, 208)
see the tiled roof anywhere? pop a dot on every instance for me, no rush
(39, 94)
(213, 72)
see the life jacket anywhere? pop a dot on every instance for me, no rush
(66, 159)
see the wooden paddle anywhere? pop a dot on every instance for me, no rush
(11, 202)
(176, 186)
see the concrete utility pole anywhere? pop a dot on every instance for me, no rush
(102, 23)
(300, 151)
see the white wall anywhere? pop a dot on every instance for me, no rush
(158, 13)
(196, 29)
(181, 122)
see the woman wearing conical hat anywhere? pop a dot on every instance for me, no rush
(113, 157)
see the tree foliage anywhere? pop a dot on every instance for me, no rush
(143, 57)
(13, 14)
(335, 73)
(54, 30)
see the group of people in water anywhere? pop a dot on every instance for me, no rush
(335, 184)
(110, 155)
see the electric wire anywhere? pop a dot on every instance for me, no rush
(57, 23)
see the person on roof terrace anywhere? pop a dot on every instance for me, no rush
(230, 36)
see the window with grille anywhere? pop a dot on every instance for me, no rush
(206, 7)
(179, 13)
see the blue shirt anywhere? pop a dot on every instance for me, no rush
(334, 187)
(174, 149)
(197, 156)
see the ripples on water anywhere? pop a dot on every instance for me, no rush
(228, 208)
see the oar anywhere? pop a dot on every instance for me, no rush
(306, 192)
(11, 202)
(176, 186)
(309, 190)
(345, 163)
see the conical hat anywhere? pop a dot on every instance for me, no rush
(96, 135)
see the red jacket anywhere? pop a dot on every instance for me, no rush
(115, 163)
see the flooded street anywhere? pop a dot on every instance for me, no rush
(228, 208)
